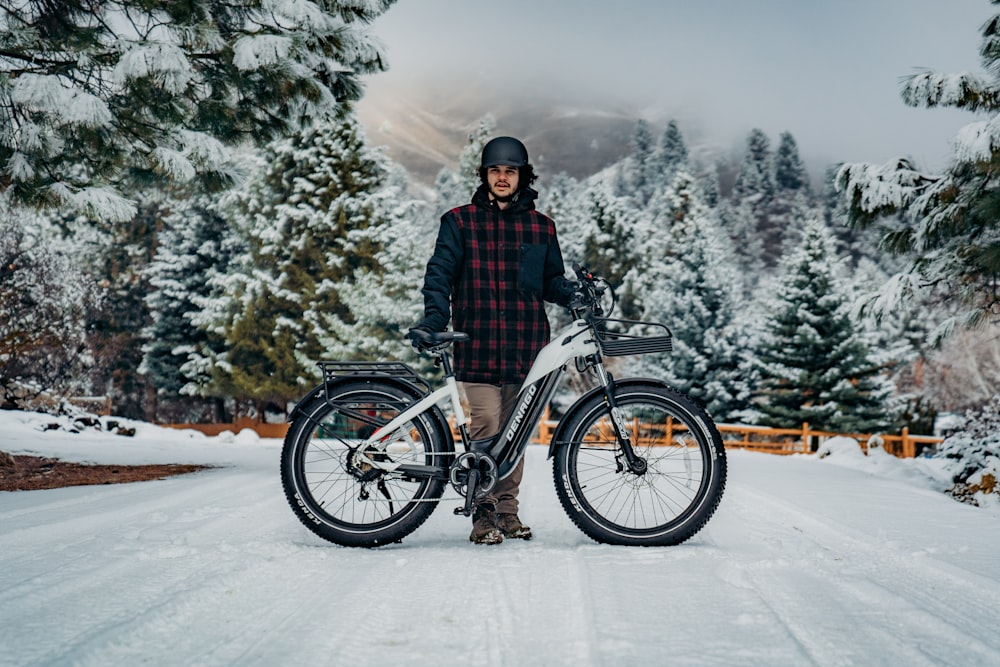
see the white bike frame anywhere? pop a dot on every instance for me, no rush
(574, 341)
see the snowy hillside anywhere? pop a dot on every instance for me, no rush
(841, 561)
(425, 128)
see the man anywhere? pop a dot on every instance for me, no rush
(495, 261)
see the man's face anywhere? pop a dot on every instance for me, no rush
(502, 181)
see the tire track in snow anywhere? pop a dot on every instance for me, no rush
(258, 612)
(812, 573)
(477, 606)
(158, 551)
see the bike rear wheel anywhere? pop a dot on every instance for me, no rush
(666, 504)
(339, 497)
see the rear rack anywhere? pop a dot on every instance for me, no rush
(632, 337)
(333, 370)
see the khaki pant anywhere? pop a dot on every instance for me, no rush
(488, 406)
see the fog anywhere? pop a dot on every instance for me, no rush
(828, 72)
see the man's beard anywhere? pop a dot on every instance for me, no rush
(506, 199)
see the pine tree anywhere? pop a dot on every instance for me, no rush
(194, 248)
(641, 174)
(384, 298)
(814, 366)
(945, 225)
(312, 222)
(456, 188)
(561, 202)
(755, 179)
(687, 280)
(790, 173)
(792, 200)
(115, 254)
(709, 183)
(96, 97)
(609, 225)
(753, 196)
(673, 152)
(739, 223)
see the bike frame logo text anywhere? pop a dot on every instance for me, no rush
(521, 411)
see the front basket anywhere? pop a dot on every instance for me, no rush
(618, 338)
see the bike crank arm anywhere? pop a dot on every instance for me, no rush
(470, 495)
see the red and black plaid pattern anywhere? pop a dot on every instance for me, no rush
(497, 275)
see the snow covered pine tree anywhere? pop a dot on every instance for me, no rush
(97, 93)
(944, 225)
(814, 367)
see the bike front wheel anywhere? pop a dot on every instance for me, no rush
(667, 503)
(331, 488)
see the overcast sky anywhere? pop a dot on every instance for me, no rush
(828, 71)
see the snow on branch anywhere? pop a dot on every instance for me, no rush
(173, 164)
(204, 150)
(977, 142)
(964, 90)
(20, 167)
(53, 95)
(99, 202)
(255, 51)
(899, 290)
(299, 13)
(164, 62)
(873, 188)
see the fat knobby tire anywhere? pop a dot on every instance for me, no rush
(678, 493)
(328, 498)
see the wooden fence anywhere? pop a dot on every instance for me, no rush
(262, 429)
(803, 440)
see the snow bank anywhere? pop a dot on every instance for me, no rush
(69, 439)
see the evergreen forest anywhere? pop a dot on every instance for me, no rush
(191, 216)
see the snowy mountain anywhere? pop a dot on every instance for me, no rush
(425, 128)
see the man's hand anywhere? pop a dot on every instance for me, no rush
(419, 337)
(580, 300)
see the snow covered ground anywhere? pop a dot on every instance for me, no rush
(841, 561)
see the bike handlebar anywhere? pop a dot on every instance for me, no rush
(592, 288)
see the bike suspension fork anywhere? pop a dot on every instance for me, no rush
(635, 463)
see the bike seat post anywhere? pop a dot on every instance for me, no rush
(446, 363)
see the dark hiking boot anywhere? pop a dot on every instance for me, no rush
(484, 529)
(511, 527)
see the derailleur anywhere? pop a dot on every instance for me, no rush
(359, 468)
(473, 475)
(366, 473)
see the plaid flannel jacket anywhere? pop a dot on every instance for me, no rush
(490, 273)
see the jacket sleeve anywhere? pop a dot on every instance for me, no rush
(441, 275)
(557, 288)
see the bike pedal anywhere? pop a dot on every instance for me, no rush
(462, 510)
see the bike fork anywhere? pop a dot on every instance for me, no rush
(635, 463)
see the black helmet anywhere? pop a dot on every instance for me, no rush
(504, 150)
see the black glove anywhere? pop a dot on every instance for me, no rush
(580, 299)
(419, 337)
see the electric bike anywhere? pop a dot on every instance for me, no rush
(370, 452)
